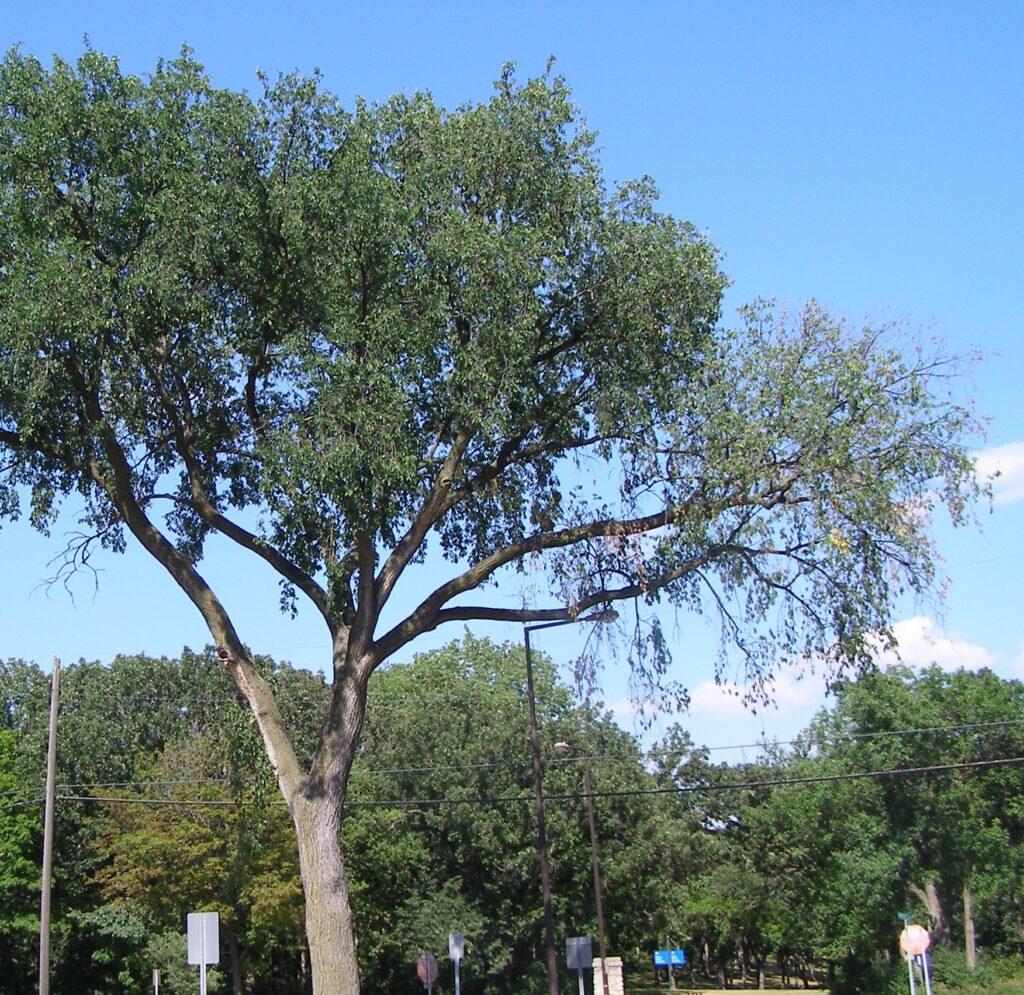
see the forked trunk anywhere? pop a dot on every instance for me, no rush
(315, 802)
(332, 948)
(938, 925)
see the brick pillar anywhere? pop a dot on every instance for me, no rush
(615, 984)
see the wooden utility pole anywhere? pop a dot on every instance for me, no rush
(51, 791)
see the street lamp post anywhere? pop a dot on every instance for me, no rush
(542, 839)
(538, 793)
(594, 863)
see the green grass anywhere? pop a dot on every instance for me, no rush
(998, 988)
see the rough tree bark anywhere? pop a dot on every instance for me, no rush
(329, 927)
(928, 896)
(970, 948)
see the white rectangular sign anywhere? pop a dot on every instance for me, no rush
(577, 953)
(203, 938)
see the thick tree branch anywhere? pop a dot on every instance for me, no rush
(423, 618)
(120, 489)
(230, 649)
(367, 609)
(595, 599)
(443, 496)
(209, 513)
(428, 516)
(431, 612)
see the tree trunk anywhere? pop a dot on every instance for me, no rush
(970, 949)
(315, 802)
(332, 948)
(802, 971)
(236, 962)
(929, 898)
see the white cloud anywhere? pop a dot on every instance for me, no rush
(921, 644)
(791, 692)
(709, 700)
(796, 691)
(1017, 667)
(1008, 462)
(723, 712)
(624, 708)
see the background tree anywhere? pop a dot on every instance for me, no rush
(116, 725)
(843, 845)
(795, 864)
(961, 827)
(440, 824)
(207, 838)
(347, 340)
(684, 773)
(19, 874)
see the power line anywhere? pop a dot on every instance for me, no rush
(574, 759)
(835, 739)
(123, 784)
(145, 784)
(651, 754)
(576, 796)
(11, 806)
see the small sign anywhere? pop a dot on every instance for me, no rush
(669, 958)
(914, 940)
(578, 956)
(426, 969)
(203, 942)
(203, 938)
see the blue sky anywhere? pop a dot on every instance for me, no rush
(869, 155)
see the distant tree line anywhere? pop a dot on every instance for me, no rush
(791, 869)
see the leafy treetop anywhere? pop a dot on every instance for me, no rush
(331, 335)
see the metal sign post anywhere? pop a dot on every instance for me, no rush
(927, 974)
(203, 942)
(47, 873)
(456, 949)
